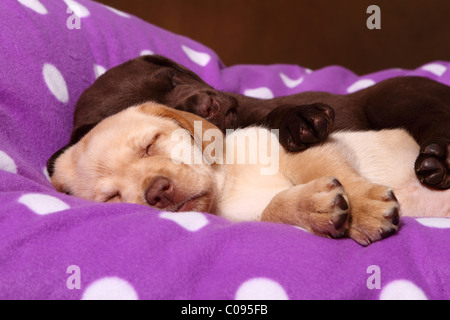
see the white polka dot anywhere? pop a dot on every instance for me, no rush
(200, 58)
(99, 70)
(7, 163)
(118, 12)
(300, 228)
(191, 221)
(110, 288)
(360, 84)
(43, 204)
(402, 290)
(308, 71)
(435, 68)
(45, 172)
(261, 93)
(78, 9)
(441, 223)
(146, 52)
(261, 289)
(55, 82)
(290, 83)
(34, 5)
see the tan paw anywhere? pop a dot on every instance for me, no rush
(328, 208)
(375, 214)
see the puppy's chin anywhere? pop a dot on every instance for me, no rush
(201, 203)
(194, 205)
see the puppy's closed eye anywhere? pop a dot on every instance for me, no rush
(150, 148)
(168, 76)
(113, 197)
(175, 81)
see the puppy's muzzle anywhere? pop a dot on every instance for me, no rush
(160, 193)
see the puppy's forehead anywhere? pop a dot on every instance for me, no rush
(119, 139)
(157, 62)
(132, 122)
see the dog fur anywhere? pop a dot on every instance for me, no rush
(419, 105)
(352, 185)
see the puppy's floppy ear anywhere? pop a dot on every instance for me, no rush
(80, 132)
(51, 161)
(185, 120)
(162, 61)
(76, 136)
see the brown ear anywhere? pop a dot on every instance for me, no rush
(185, 120)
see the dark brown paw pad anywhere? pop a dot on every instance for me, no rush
(306, 125)
(433, 165)
(393, 216)
(387, 232)
(339, 221)
(339, 202)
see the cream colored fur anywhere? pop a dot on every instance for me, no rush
(340, 188)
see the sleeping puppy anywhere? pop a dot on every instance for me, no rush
(176, 161)
(304, 119)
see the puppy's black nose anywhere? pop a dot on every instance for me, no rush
(160, 193)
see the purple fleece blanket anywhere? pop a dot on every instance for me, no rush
(54, 246)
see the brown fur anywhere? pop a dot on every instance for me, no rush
(419, 105)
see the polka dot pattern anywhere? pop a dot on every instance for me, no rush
(146, 52)
(55, 82)
(191, 221)
(260, 93)
(110, 288)
(7, 163)
(42, 204)
(118, 12)
(76, 8)
(200, 58)
(46, 174)
(440, 223)
(360, 84)
(402, 290)
(290, 83)
(261, 289)
(99, 70)
(134, 252)
(34, 5)
(435, 68)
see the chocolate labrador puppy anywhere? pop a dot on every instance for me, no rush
(419, 105)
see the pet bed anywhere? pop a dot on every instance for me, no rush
(55, 246)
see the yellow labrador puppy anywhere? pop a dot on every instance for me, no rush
(176, 161)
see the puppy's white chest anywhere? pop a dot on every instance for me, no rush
(251, 182)
(247, 198)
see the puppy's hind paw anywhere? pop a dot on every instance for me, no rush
(376, 215)
(330, 213)
(433, 164)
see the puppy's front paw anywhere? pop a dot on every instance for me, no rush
(375, 215)
(302, 125)
(328, 208)
(433, 164)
